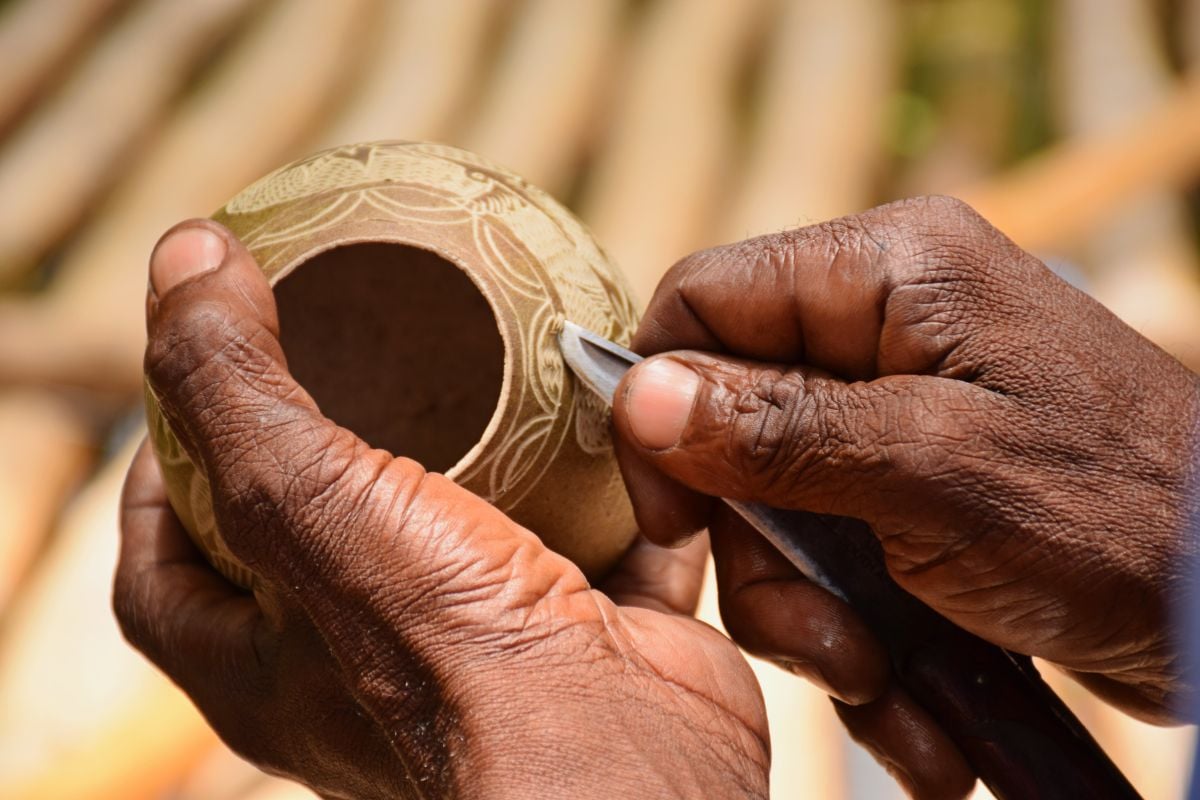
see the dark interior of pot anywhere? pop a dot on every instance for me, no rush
(398, 345)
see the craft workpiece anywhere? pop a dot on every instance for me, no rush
(420, 291)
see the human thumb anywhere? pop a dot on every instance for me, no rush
(789, 436)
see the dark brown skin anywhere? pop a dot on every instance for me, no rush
(408, 640)
(1023, 456)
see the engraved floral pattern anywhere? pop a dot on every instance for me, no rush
(533, 261)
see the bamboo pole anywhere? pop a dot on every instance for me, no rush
(1189, 34)
(1054, 200)
(59, 161)
(542, 104)
(1108, 64)
(817, 148)
(1112, 68)
(251, 115)
(1156, 759)
(663, 163)
(47, 449)
(139, 756)
(81, 714)
(976, 90)
(420, 72)
(37, 40)
(814, 153)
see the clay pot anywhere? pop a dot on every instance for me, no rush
(420, 291)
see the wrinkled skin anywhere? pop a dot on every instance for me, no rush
(1022, 455)
(407, 639)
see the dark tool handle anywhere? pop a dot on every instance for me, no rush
(1016, 733)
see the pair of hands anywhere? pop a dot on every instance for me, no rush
(1023, 456)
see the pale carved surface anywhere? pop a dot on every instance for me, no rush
(535, 263)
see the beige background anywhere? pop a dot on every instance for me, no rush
(666, 124)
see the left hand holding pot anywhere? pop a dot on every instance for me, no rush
(406, 638)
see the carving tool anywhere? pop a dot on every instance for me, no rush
(1020, 738)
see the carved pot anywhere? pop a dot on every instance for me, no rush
(420, 290)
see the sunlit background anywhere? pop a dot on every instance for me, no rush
(667, 125)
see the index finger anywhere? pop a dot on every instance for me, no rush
(817, 295)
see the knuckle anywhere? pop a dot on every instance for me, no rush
(932, 214)
(326, 488)
(203, 360)
(951, 268)
(682, 275)
(792, 431)
(942, 208)
(220, 381)
(846, 431)
(956, 241)
(772, 414)
(758, 431)
(672, 318)
(686, 266)
(858, 233)
(904, 432)
(185, 338)
(844, 243)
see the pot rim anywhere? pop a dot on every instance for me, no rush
(489, 432)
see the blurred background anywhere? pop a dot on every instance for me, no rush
(668, 125)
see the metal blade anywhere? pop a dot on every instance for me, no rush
(597, 362)
(991, 700)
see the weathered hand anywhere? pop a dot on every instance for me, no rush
(407, 639)
(1022, 455)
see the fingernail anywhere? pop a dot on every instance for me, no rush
(184, 254)
(659, 402)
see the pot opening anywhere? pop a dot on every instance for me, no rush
(397, 344)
